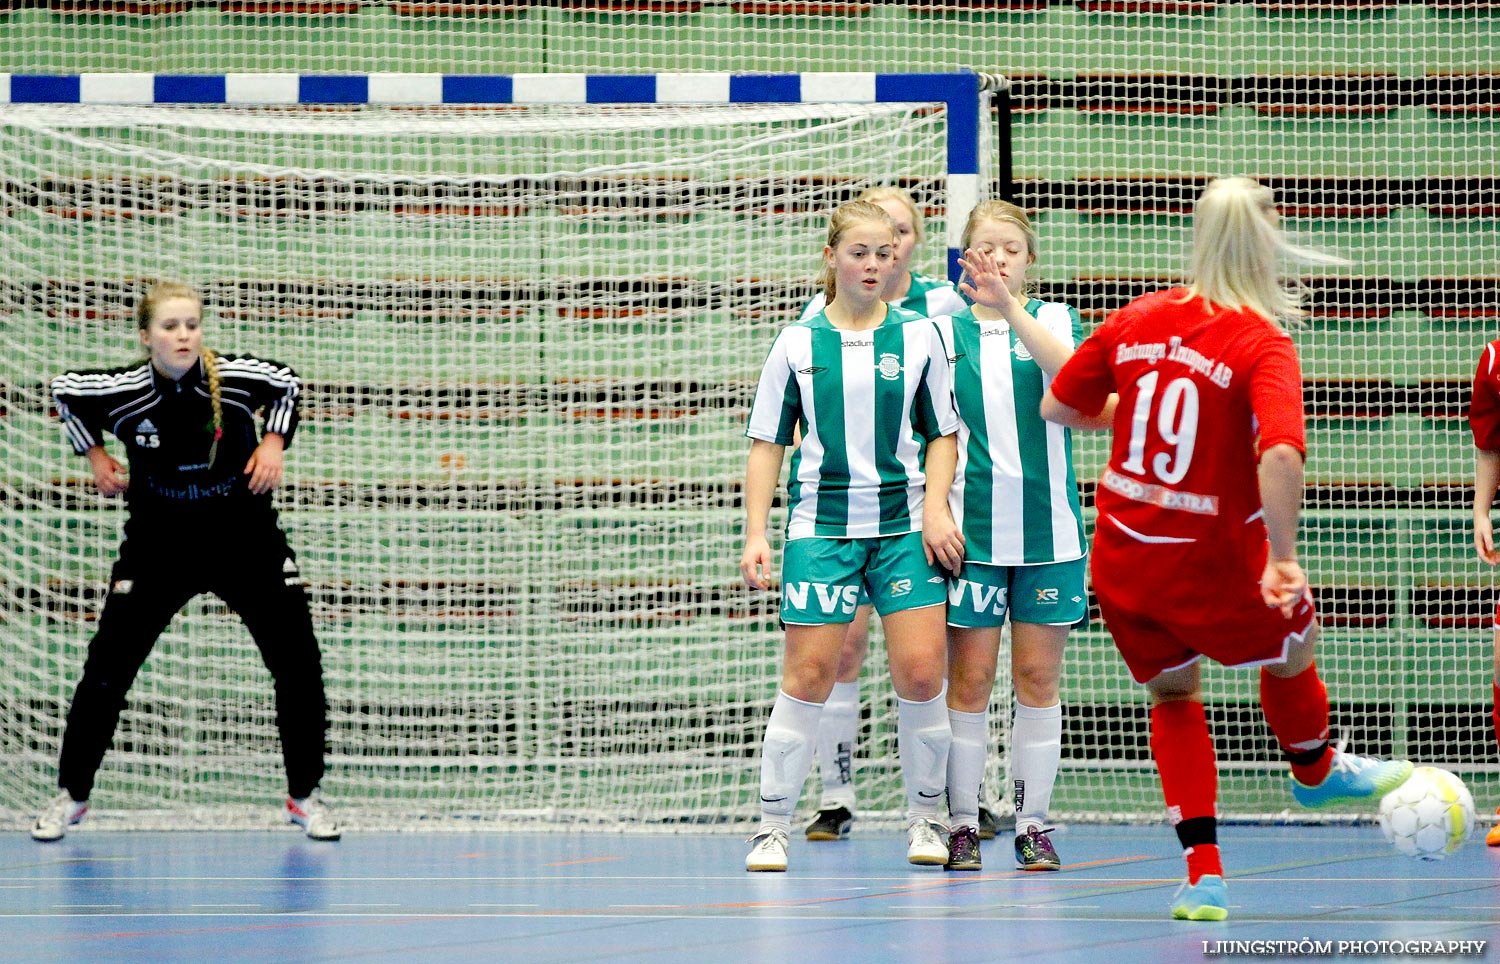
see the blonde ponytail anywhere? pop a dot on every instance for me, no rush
(1239, 253)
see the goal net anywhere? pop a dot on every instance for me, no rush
(528, 337)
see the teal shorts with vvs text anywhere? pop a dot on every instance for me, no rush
(822, 578)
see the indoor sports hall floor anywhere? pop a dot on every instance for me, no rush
(420, 898)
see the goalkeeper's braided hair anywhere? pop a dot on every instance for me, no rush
(211, 367)
(145, 311)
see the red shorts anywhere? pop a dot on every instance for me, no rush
(1167, 604)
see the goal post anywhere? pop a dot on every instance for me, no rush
(528, 312)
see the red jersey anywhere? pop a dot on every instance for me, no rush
(1202, 394)
(1484, 401)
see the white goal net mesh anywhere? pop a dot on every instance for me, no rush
(528, 338)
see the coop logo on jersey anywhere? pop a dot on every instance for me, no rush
(889, 367)
(1046, 595)
(900, 587)
(825, 598)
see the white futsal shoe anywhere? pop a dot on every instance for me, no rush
(767, 851)
(314, 816)
(925, 843)
(60, 814)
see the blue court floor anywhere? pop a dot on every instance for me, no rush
(418, 898)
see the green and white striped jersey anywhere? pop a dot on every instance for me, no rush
(867, 403)
(1015, 495)
(927, 296)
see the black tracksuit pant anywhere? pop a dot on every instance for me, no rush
(243, 558)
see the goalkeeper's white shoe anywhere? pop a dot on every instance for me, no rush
(60, 814)
(314, 816)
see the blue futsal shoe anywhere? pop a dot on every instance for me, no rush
(1352, 778)
(1208, 899)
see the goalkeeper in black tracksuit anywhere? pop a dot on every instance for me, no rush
(200, 520)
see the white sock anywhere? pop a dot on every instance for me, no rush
(1035, 752)
(923, 737)
(837, 728)
(966, 759)
(786, 758)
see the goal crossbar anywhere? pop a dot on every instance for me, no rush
(959, 93)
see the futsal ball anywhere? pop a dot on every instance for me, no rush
(1429, 816)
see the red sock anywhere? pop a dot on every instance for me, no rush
(1185, 759)
(1203, 859)
(1495, 710)
(1296, 709)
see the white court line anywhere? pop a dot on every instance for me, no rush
(504, 905)
(224, 905)
(1071, 906)
(370, 904)
(78, 906)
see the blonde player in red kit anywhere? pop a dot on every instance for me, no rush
(1484, 422)
(1195, 547)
